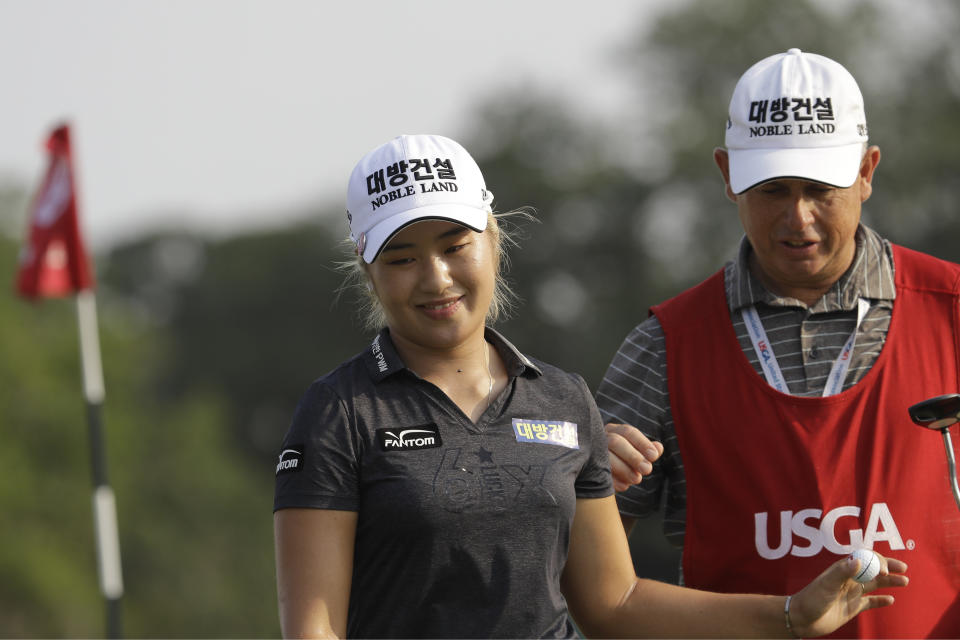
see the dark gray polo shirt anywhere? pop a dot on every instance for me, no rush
(463, 528)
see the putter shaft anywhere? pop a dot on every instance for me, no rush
(951, 465)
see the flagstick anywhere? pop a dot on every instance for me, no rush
(104, 504)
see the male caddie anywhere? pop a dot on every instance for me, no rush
(779, 387)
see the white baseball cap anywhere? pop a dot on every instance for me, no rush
(413, 178)
(795, 115)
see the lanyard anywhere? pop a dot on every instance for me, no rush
(768, 361)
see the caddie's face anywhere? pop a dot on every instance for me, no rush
(802, 232)
(435, 281)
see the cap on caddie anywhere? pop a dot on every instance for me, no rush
(795, 115)
(413, 178)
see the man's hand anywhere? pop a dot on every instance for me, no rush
(631, 454)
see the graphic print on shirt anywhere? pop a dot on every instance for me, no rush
(471, 481)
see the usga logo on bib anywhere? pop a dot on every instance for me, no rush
(819, 531)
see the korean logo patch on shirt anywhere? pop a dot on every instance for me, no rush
(558, 432)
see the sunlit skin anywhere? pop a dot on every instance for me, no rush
(435, 281)
(802, 232)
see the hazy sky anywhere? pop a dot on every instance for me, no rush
(237, 112)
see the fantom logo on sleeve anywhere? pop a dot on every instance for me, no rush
(819, 531)
(290, 460)
(425, 436)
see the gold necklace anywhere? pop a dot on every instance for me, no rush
(486, 361)
(486, 353)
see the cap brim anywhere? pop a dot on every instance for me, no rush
(835, 166)
(381, 233)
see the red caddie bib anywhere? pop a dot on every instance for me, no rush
(778, 487)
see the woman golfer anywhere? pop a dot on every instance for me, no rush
(443, 484)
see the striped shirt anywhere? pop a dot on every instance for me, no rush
(805, 339)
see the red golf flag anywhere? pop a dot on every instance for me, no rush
(54, 262)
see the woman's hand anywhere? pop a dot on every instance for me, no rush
(834, 598)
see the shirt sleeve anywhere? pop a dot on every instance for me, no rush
(594, 480)
(318, 465)
(634, 391)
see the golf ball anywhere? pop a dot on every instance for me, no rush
(869, 565)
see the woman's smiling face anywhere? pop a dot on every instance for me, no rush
(435, 280)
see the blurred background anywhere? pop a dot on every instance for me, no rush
(213, 142)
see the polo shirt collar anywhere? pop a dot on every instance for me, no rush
(870, 276)
(517, 364)
(382, 359)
